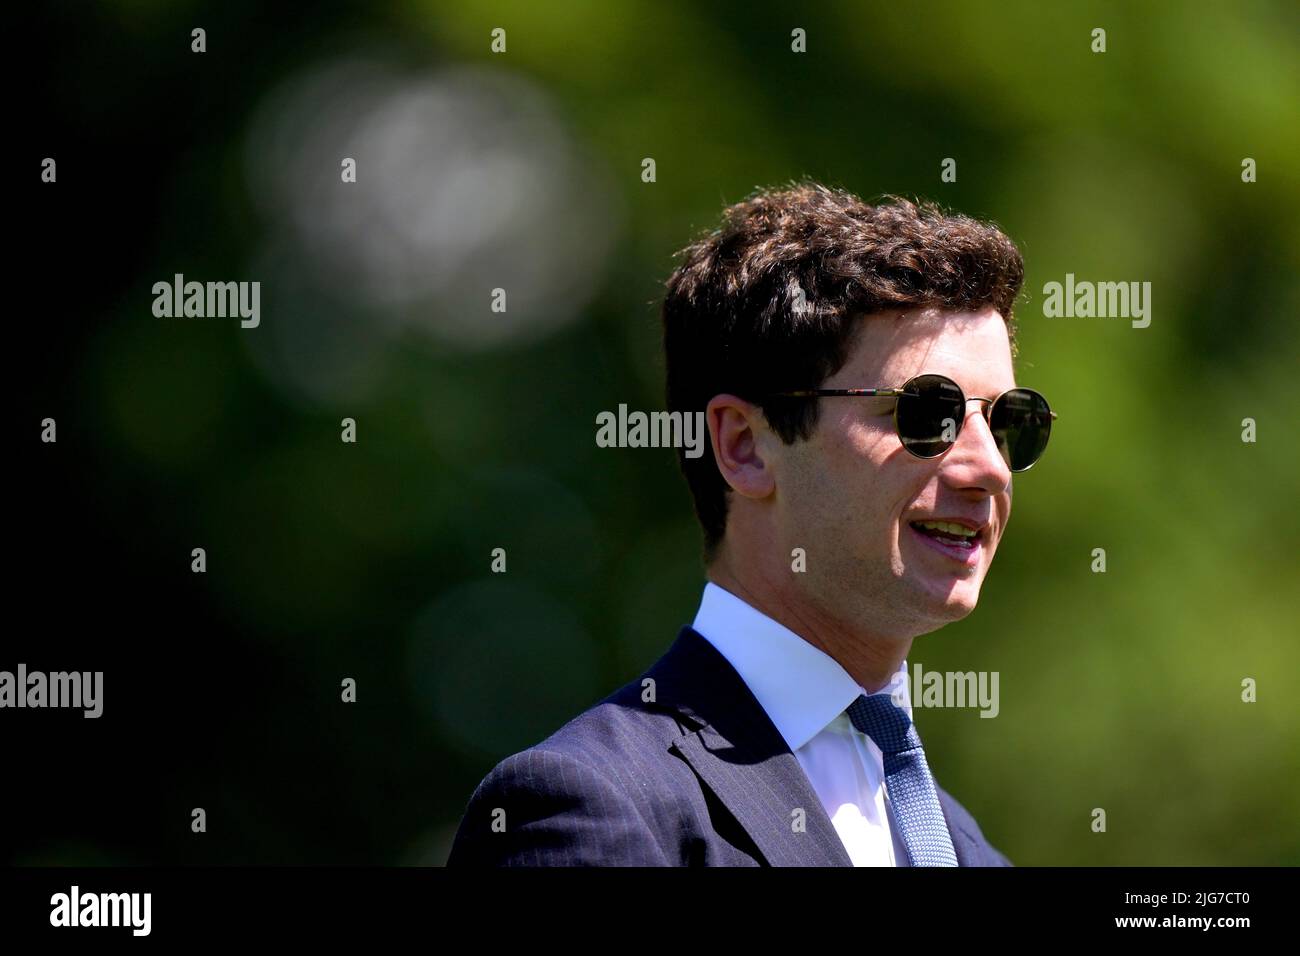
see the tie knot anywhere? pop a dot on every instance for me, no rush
(877, 716)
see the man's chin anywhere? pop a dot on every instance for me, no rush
(949, 603)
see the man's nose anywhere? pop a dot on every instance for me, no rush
(974, 459)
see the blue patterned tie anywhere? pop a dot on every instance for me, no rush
(911, 789)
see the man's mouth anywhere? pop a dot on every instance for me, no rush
(949, 532)
(958, 540)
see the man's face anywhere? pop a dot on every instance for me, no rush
(849, 494)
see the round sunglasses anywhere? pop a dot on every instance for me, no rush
(931, 410)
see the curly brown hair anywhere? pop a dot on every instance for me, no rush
(769, 301)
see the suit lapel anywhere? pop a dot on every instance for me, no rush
(737, 752)
(963, 844)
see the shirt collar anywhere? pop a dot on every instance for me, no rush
(801, 687)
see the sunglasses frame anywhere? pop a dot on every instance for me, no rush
(986, 411)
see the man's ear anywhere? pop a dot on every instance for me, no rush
(739, 432)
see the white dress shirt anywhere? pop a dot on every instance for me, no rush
(805, 692)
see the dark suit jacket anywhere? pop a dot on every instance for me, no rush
(698, 777)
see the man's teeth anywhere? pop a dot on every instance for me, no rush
(947, 527)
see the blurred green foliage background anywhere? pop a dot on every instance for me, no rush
(522, 170)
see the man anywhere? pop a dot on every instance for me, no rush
(853, 500)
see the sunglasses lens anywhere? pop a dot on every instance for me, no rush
(1021, 422)
(929, 415)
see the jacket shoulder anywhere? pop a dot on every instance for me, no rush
(580, 797)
